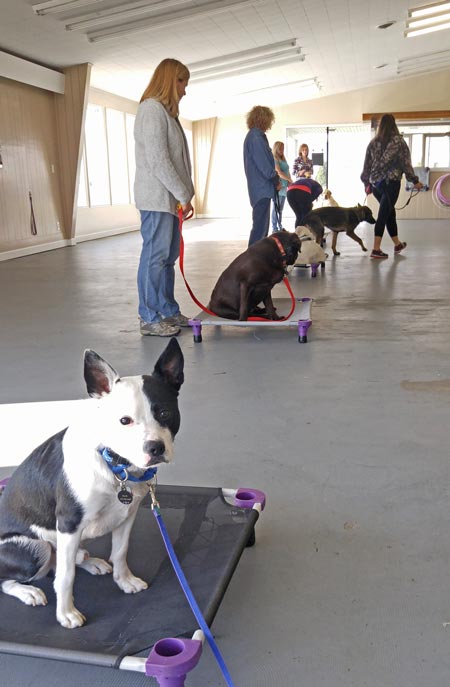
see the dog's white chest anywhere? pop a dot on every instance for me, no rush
(107, 513)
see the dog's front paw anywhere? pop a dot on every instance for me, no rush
(130, 584)
(71, 619)
(336, 252)
(32, 596)
(96, 566)
(364, 249)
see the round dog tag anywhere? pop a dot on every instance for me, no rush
(125, 496)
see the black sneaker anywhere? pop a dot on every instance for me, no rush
(378, 255)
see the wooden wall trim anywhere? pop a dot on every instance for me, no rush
(423, 114)
(70, 117)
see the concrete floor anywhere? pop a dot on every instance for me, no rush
(349, 583)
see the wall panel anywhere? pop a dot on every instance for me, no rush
(29, 149)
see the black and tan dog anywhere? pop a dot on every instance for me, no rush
(338, 219)
(249, 279)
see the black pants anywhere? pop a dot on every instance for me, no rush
(386, 194)
(300, 202)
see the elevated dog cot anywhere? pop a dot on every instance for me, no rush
(300, 318)
(209, 529)
(313, 265)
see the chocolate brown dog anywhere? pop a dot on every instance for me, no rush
(338, 219)
(249, 279)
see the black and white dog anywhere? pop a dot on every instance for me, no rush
(88, 480)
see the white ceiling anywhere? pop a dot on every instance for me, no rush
(340, 40)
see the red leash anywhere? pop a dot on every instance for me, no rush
(195, 299)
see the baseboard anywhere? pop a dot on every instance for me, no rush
(64, 243)
(38, 248)
(106, 233)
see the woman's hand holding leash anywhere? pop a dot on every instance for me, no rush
(188, 210)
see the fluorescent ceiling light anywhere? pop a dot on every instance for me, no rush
(234, 65)
(120, 12)
(310, 85)
(165, 19)
(428, 19)
(51, 6)
(410, 33)
(423, 63)
(268, 63)
(260, 51)
(429, 9)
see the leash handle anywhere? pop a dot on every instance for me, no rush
(195, 299)
(187, 591)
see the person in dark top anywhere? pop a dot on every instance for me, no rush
(301, 194)
(387, 159)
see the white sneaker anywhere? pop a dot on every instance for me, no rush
(177, 320)
(161, 328)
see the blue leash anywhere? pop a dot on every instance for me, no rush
(120, 471)
(187, 591)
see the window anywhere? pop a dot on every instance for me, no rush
(129, 125)
(343, 148)
(437, 151)
(429, 144)
(118, 159)
(97, 156)
(107, 166)
(83, 198)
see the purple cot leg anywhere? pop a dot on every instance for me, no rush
(171, 659)
(197, 329)
(314, 267)
(3, 483)
(246, 498)
(303, 326)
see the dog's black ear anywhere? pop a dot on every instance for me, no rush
(292, 249)
(98, 374)
(170, 365)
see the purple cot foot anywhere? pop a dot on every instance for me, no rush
(246, 498)
(197, 329)
(171, 659)
(303, 326)
(314, 270)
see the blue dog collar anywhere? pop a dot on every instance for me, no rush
(121, 469)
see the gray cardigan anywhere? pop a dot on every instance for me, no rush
(163, 166)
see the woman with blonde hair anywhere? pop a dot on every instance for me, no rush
(163, 180)
(282, 169)
(262, 178)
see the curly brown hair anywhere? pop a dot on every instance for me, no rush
(260, 117)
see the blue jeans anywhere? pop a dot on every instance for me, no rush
(261, 219)
(282, 200)
(156, 273)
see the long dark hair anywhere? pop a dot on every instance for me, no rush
(387, 129)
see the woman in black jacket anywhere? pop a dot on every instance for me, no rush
(387, 159)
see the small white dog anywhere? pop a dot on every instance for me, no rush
(311, 253)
